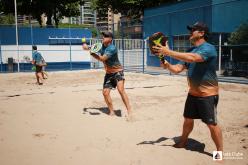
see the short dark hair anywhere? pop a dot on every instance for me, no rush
(34, 47)
(107, 34)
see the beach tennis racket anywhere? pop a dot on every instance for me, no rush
(95, 48)
(33, 68)
(155, 39)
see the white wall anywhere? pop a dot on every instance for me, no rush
(50, 53)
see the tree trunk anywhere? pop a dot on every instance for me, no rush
(49, 20)
(56, 20)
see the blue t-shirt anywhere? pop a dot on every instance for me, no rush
(202, 76)
(37, 57)
(111, 52)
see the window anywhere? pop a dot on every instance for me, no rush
(181, 43)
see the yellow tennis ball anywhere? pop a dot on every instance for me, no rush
(83, 40)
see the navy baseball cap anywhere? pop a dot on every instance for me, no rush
(198, 26)
(107, 34)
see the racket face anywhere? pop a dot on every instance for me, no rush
(157, 38)
(33, 68)
(95, 48)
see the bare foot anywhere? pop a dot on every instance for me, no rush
(111, 113)
(180, 145)
(130, 117)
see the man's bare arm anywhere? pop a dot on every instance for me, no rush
(173, 68)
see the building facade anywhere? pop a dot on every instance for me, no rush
(103, 22)
(221, 16)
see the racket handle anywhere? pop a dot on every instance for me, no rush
(161, 58)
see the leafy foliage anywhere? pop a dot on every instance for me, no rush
(7, 19)
(131, 8)
(240, 36)
(59, 8)
(55, 8)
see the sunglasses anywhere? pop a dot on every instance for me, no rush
(192, 30)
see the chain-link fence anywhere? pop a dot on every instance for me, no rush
(65, 53)
(60, 47)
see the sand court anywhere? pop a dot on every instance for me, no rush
(65, 121)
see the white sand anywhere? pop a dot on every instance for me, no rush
(64, 122)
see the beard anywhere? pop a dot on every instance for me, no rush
(195, 39)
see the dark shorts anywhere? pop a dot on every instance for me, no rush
(38, 69)
(110, 80)
(204, 108)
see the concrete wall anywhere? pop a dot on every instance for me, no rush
(50, 53)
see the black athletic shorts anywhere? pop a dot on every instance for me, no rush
(110, 80)
(204, 108)
(38, 68)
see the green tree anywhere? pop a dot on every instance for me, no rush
(52, 8)
(240, 36)
(131, 8)
(59, 8)
(7, 19)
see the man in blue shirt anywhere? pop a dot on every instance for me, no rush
(114, 76)
(203, 92)
(38, 63)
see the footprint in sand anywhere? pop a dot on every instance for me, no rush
(38, 135)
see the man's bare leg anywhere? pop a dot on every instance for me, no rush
(108, 100)
(216, 135)
(39, 78)
(121, 90)
(188, 126)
